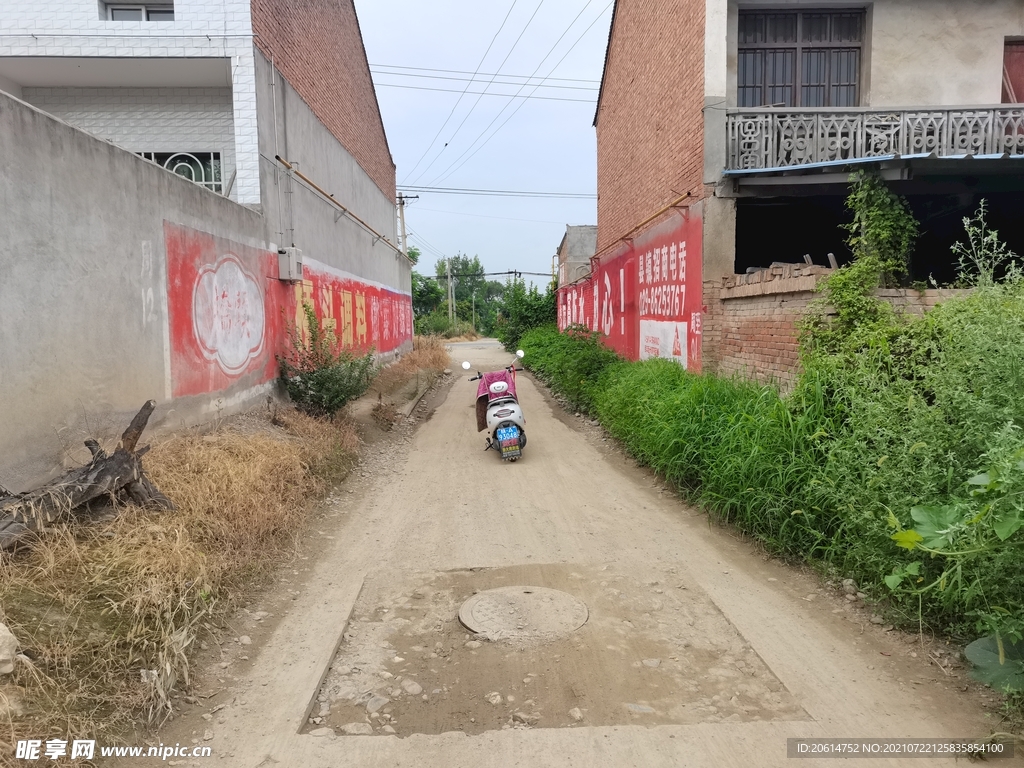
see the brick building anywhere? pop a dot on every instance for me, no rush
(726, 134)
(215, 90)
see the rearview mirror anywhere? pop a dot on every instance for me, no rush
(520, 353)
(466, 366)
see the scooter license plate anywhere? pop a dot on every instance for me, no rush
(508, 433)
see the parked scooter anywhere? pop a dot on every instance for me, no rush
(498, 410)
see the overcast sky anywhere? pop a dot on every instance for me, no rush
(546, 144)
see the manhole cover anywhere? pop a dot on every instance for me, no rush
(523, 613)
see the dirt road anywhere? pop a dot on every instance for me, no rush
(695, 651)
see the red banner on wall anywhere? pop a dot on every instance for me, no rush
(670, 293)
(229, 314)
(605, 302)
(646, 296)
(361, 315)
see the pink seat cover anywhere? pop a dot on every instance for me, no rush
(484, 388)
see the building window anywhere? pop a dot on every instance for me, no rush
(143, 12)
(203, 168)
(799, 59)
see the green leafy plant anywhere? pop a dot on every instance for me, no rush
(571, 362)
(894, 460)
(984, 254)
(883, 230)
(997, 662)
(521, 309)
(319, 376)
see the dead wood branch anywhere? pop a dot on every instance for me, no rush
(106, 475)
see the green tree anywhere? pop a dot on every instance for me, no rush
(414, 254)
(427, 294)
(522, 308)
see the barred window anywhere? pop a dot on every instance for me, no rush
(203, 168)
(799, 59)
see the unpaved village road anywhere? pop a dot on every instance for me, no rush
(697, 651)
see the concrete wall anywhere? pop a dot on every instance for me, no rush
(295, 214)
(149, 119)
(111, 270)
(940, 52)
(575, 251)
(85, 339)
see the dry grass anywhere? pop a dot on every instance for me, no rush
(428, 354)
(107, 612)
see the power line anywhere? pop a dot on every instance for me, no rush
(571, 47)
(482, 93)
(479, 96)
(516, 272)
(496, 192)
(483, 216)
(426, 244)
(459, 100)
(492, 82)
(452, 168)
(481, 74)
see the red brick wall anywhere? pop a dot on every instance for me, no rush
(650, 126)
(751, 324)
(756, 336)
(317, 46)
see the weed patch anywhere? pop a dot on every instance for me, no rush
(107, 613)
(898, 459)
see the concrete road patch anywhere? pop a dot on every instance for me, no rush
(651, 653)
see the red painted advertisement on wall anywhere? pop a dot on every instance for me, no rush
(361, 315)
(670, 292)
(229, 314)
(638, 298)
(605, 302)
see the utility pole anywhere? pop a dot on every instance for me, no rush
(401, 217)
(474, 310)
(451, 294)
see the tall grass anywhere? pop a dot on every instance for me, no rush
(569, 363)
(827, 473)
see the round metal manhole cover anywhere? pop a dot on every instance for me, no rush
(523, 613)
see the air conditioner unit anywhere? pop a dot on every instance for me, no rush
(289, 262)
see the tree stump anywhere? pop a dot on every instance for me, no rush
(117, 474)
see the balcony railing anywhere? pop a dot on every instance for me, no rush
(776, 138)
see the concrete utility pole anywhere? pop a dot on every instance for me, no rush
(401, 217)
(451, 294)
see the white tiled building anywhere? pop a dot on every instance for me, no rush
(176, 82)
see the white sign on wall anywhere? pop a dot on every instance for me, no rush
(663, 338)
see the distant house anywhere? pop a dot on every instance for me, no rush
(727, 131)
(579, 243)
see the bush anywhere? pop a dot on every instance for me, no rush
(437, 323)
(521, 310)
(569, 363)
(319, 377)
(898, 459)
